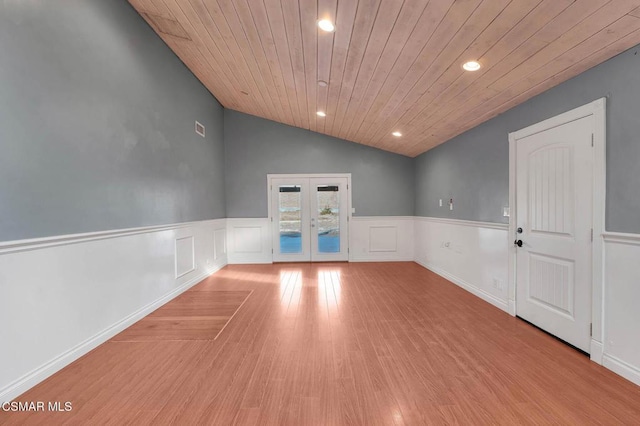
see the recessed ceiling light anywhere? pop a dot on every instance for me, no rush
(326, 25)
(322, 83)
(471, 66)
(396, 134)
(321, 114)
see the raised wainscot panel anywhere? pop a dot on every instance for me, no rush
(383, 239)
(247, 239)
(185, 256)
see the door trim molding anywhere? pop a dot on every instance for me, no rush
(596, 110)
(347, 176)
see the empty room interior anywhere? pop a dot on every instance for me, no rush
(322, 212)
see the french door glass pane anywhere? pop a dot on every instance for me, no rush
(328, 219)
(290, 207)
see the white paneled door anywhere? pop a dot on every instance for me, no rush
(554, 178)
(309, 218)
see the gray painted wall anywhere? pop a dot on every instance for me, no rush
(473, 168)
(96, 133)
(97, 124)
(383, 183)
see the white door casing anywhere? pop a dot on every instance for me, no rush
(557, 199)
(311, 194)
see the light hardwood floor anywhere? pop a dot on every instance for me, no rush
(337, 344)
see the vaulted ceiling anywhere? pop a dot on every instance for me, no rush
(390, 65)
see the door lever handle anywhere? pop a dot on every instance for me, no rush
(518, 243)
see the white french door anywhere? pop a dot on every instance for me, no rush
(309, 218)
(554, 236)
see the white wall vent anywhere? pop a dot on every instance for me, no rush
(200, 129)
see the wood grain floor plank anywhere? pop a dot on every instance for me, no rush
(337, 344)
(191, 316)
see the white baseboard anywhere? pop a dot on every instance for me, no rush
(501, 304)
(473, 255)
(371, 239)
(109, 279)
(378, 258)
(36, 376)
(596, 351)
(247, 259)
(622, 368)
(134, 272)
(621, 316)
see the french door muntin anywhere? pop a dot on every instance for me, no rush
(309, 215)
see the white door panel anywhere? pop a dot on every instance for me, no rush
(290, 215)
(329, 211)
(554, 204)
(310, 218)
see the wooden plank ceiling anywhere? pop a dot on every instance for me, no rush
(391, 65)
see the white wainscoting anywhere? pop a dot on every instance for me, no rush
(185, 255)
(249, 240)
(473, 255)
(61, 297)
(621, 346)
(381, 239)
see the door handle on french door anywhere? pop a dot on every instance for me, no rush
(517, 241)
